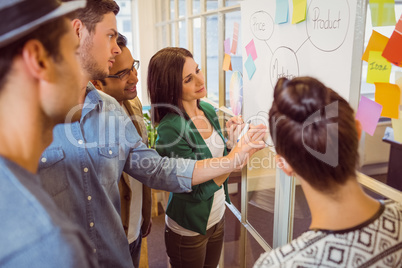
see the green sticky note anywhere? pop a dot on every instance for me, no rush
(382, 12)
(299, 11)
(379, 69)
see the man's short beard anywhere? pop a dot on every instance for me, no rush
(89, 63)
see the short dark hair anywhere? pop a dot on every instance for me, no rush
(165, 81)
(295, 102)
(94, 11)
(121, 41)
(48, 34)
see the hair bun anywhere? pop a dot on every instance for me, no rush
(300, 97)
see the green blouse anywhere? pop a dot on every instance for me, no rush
(179, 138)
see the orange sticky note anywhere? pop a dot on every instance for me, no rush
(227, 65)
(377, 42)
(389, 96)
(379, 69)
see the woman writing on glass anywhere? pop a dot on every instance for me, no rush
(189, 128)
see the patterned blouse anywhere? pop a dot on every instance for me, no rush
(374, 243)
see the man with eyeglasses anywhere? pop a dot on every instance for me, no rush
(135, 197)
(82, 167)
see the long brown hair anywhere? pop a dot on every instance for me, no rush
(165, 81)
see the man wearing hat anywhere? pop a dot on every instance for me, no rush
(39, 82)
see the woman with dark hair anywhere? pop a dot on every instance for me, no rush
(316, 140)
(189, 128)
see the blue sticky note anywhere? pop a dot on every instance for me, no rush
(250, 67)
(282, 11)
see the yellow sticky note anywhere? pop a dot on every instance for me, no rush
(379, 69)
(397, 127)
(226, 63)
(398, 80)
(377, 42)
(299, 11)
(389, 96)
(382, 12)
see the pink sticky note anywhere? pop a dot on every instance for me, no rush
(250, 49)
(235, 38)
(368, 114)
(227, 46)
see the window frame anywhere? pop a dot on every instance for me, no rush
(173, 23)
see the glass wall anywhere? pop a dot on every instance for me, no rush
(202, 26)
(236, 58)
(374, 152)
(124, 22)
(212, 73)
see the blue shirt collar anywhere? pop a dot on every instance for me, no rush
(92, 100)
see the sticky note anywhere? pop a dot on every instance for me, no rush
(282, 11)
(398, 80)
(227, 45)
(382, 12)
(250, 67)
(389, 96)
(250, 49)
(378, 69)
(368, 114)
(299, 11)
(398, 26)
(392, 51)
(377, 42)
(235, 37)
(227, 63)
(397, 127)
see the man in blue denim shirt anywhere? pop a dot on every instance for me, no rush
(82, 166)
(39, 82)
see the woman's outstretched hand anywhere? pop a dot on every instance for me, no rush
(234, 126)
(248, 145)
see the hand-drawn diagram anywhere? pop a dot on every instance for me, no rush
(326, 26)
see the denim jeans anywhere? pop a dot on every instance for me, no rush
(135, 251)
(195, 251)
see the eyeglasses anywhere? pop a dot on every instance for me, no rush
(123, 75)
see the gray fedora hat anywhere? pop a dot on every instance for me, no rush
(20, 17)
